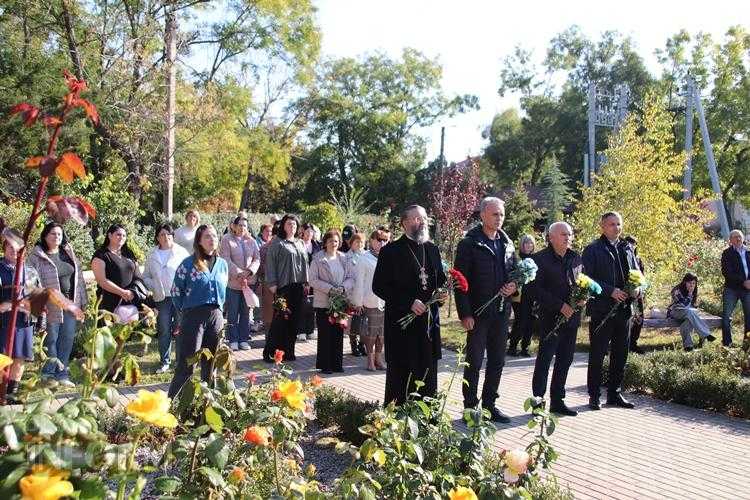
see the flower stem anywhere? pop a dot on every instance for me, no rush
(128, 468)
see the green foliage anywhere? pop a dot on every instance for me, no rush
(556, 195)
(520, 213)
(708, 378)
(16, 214)
(351, 204)
(324, 215)
(334, 407)
(641, 180)
(704, 260)
(364, 115)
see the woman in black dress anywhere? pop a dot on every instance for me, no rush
(115, 268)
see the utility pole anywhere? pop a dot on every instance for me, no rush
(710, 160)
(687, 179)
(170, 46)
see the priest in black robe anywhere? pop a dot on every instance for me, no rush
(409, 270)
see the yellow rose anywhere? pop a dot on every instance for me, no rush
(291, 391)
(45, 483)
(152, 408)
(5, 361)
(462, 493)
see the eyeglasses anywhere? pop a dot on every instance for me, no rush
(382, 240)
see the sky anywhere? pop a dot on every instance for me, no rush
(470, 38)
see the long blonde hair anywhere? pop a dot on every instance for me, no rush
(201, 257)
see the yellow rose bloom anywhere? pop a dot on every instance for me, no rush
(152, 408)
(45, 483)
(291, 391)
(5, 361)
(462, 493)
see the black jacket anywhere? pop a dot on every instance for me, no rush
(731, 268)
(477, 262)
(601, 266)
(554, 279)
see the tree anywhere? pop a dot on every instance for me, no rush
(641, 180)
(455, 197)
(520, 213)
(556, 195)
(364, 113)
(553, 126)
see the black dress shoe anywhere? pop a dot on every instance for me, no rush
(512, 351)
(561, 408)
(524, 353)
(594, 403)
(290, 357)
(688, 348)
(636, 349)
(710, 338)
(497, 416)
(328, 372)
(620, 401)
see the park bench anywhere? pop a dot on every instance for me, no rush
(658, 319)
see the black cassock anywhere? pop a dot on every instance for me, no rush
(412, 353)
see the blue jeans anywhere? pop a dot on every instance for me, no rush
(729, 301)
(238, 316)
(59, 345)
(166, 319)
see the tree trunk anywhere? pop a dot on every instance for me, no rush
(245, 199)
(170, 45)
(341, 157)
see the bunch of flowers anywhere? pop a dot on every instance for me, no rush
(522, 274)
(456, 281)
(340, 310)
(281, 308)
(635, 285)
(583, 288)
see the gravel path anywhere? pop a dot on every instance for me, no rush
(328, 464)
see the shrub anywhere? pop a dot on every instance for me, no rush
(334, 407)
(324, 215)
(704, 378)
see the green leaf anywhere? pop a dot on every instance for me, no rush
(532, 423)
(214, 420)
(91, 489)
(418, 452)
(140, 483)
(413, 427)
(15, 476)
(213, 476)
(167, 484)
(44, 425)
(425, 409)
(379, 457)
(185, 397)
(218, 452)
(11, 438)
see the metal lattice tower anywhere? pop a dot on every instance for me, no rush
(604, 110)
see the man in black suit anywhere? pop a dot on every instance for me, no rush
(485, 257)
(558, 268)
(408, 271)
(735, 266)
(608, 260)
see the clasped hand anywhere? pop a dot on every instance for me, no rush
(509, 289)
(418, 307)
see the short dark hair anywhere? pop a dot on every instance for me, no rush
(406, 211)
(330, 234)
(283, 221)
(47, 229)
(611, 213)
(163, 227)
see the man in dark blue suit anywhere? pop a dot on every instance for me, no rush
(735, 266)
(608, 260)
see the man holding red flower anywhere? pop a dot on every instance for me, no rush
(408, 272)
(485, 257)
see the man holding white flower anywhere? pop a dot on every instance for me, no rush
(608, 261)
(486, 257)
(558, 268)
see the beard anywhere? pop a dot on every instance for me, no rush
(420, 233)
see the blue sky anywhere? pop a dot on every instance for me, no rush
(470, 37)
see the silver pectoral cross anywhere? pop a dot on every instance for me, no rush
(423, 278)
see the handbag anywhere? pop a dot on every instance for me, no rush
(141, 294)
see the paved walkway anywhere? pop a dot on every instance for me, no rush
(656, 451)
